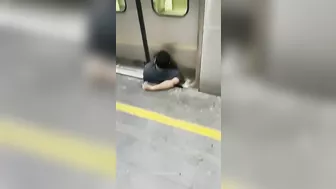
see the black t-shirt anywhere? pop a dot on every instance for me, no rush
(153, 74)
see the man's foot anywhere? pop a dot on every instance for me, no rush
(146, 86)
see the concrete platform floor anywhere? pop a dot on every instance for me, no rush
(40, 82)
(153, 155)
(276, 137)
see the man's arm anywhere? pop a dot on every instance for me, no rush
(168, 84)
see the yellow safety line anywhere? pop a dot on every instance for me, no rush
(180, 124)
(228, 184)
(60, 147)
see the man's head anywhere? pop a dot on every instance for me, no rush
(162, 59)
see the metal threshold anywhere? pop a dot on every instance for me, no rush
(129, 71)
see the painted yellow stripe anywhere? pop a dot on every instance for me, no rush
(232, 184)
(60, 147)
(180, 124)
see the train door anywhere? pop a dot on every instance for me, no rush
(129, 39)
(174, 24)
(168, 23)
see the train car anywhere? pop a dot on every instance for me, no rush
(188, 29)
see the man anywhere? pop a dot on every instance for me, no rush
(162, 73)
(101, 44)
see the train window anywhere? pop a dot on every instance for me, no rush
(120, 5)
(171, 7)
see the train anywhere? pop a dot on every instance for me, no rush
(188, 29)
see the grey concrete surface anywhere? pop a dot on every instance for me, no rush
(22, 170)
(185, 104)
(152, 155)
(300, 45)
(275, 137)
(41, 82)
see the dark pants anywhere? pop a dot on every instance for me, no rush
(102, 35)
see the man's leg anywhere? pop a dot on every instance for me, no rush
(100, 68)
(101, 63)
(168, 84)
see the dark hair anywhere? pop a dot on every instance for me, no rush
(162, 59)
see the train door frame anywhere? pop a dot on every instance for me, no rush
(201, 14)
(184, 33)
